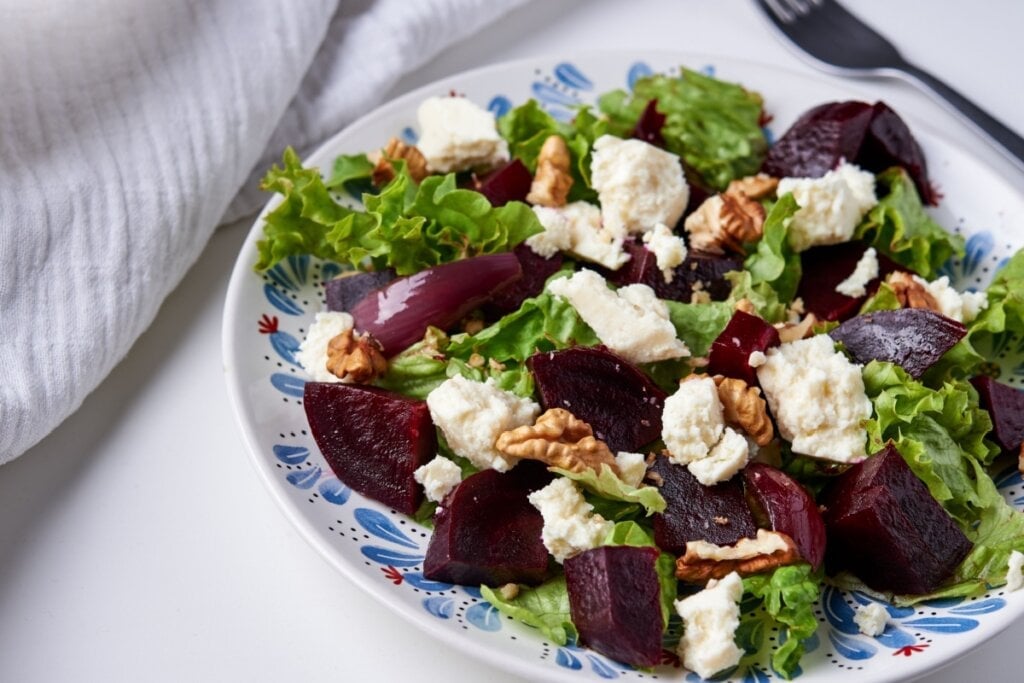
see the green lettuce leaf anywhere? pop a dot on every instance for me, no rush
(998, 532)
(788, 595)
(608, 485)
(545, 608)
(713, 125)
(774, 262)
(699, 324)
(900, 228)
(350, 171)
(1004, 315)
(764, 299)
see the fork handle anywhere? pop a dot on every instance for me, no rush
(1004, 139)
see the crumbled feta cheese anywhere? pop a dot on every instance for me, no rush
(871, 619)
(472, 415)
(766, 543)
(669, 249)
(576, 228)
(632, 321)
(866, 270)
(817, 397)
(312, 353)
(830, 206)
(438, 477)
(569, 525)
(710, 620)
(692, 421)
(1015, 573)
(638, 184)
(962, 307)
(756, 359)
(458, 135)
(632, 467)
(727, 457)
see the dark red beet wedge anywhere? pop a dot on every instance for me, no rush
(817, 141)
(510, 183)
(648, 127)
(884, 526)
(615, 602)
(348, 289)
(889, 142)
(730, 352)
(373, 439)
(913, 338)
(823, 268)
(487, 532)
(1006, 406)
(787, 507)
(620, 403)
(699, 267)
(694, 512)
(398, 314)
(536, 271)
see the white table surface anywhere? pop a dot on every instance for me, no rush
(137, 542)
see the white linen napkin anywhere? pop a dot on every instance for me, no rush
(127, 127)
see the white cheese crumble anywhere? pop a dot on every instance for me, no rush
(576, 228)
(569, 525)
(830, 206)
(866, 270)
(669, 249)
(458, 135)
(438, 477)
(818, 400)
(632, 321)
(871, 619)
(693, 429)
(472, 415)
(639, 185)
(1015, 573)
(710, 620)
(312, 353)
(632, 467)
(756, 359)
(766, 543)
(960, 306)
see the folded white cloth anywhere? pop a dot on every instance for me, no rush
(127, 127)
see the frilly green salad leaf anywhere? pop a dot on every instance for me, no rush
(699, 324)
(1005, 310)
(764, 299)
(713, 125)
(773, 261)
(608, 485)
(900, 228)
(350, 171)
(406, 226)
(546, 608)
(789, 595)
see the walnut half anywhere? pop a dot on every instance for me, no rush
(552, 181)
(354, 359)
(726, 221)
(911, 293)
(744, 407)
(414, 160)
(558, 439)
(703, 561)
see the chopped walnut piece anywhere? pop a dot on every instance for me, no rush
(724, 222)
(721, 521)
(414, 160)
(745, 305)
(559, 439)
(476, 361)
(744, 407)
(911, 293)
(789, 332)
(509, 591)
(754, 186)
(552, 181)
(354, 359)
(703, 561)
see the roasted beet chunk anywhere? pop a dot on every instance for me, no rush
(817, 141)
(620, 403)
(786, 506)
(536, 271)
(699, 271)
(347, 290)
(694, 512)
(615, 602)
(885, 527)
(648, 126)
(1006, 406)
(913, 338)
(888, 142)
(487, 532)
(730, 352)
(509, 183)
(373, 439)
(823, 268)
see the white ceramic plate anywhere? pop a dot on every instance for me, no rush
(266, 316)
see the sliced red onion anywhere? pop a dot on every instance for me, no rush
(398, 314)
